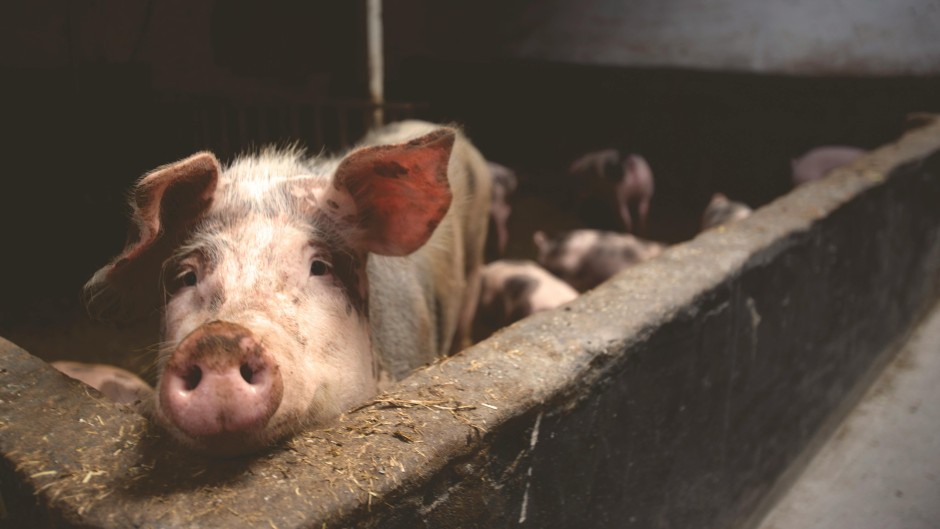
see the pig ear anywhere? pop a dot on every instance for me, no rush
(400, 192)
(165, 203)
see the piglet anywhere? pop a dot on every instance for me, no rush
(511, 290)
(634, 192)
(722, 210)
(504, 185)
(816, 163)
(119, 385)
(587, 258)
(623, 184)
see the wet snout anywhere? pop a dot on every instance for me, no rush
(220, 382)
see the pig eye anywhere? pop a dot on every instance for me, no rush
(188, 279)
(319, 268)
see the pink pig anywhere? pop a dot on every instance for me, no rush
(622, 183)
(504, 185)
(586, 258)
(722, 210)
(291, 284)
(635, 192)
(816, 163)
(512, 290)
(119, 385)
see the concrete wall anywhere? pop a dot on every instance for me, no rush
(798, 37)
(675, 395)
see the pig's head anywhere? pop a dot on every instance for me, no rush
(261, 274)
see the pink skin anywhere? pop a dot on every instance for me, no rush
(512, 290)
(626, 183)
(818, 162)
(635, 191)
(586, 258)
(220, 379)
(603, 164)
(504, 184)
(119, 385)
(266, 323)
(722, 210)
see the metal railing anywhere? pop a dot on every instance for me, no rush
(228, 127)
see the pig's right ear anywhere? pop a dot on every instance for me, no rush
(165, 204)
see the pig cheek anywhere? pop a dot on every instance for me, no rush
(180, 317)
(332, 369)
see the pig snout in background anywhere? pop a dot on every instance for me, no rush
(504, 184)
(722, 210)
(293, 284)
(118, 385)
(510, 290)
(817, 162)
(608, 183)
(586, 258)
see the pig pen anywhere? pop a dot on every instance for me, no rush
(674, 395)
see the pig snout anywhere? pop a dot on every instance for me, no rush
(220, 382)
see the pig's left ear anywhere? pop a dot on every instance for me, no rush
(400, 192)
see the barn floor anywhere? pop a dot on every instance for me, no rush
(881, 468)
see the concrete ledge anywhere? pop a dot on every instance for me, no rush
(673, 396)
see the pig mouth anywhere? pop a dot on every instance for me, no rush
(220, 435)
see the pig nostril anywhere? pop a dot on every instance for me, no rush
(247, 373)
(192, 377)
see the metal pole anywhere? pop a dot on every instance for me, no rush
(376, 73)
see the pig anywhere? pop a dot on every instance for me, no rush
(513, 289)
(597, 165)
(118, 385)
(634, 192)
(623, 184)
(504, 183)
(816, 163)
(586, 258)
(290, 285)
(722, 210)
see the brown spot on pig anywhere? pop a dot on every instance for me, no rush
(389, 169)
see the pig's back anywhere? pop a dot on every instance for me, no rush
(417, 302)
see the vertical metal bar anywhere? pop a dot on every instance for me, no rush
(376, 64)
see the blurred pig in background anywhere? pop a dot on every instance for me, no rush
(587, 258)
(511, 290)
(722, 210)
(504, 184)
(817, 162)
(119, 385)
(619, 184)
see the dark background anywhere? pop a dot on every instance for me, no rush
(95, 94)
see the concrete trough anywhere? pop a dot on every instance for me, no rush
(675, 395)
